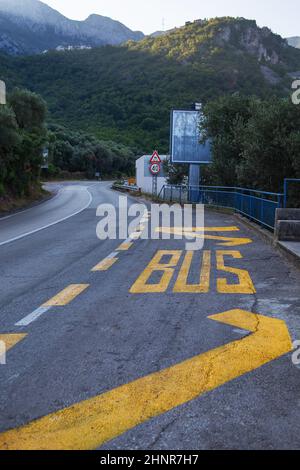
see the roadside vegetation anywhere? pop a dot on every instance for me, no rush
(23, 135)
(81, 153)
(256, 143)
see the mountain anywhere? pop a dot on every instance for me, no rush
(31, 27)
(125, 93)
(295, 41)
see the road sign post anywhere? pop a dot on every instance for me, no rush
(45, 162)
(155, 169)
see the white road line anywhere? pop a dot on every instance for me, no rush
(112, 255)
(33, 316)
(125, 242)
(49, 225)
(135, 235)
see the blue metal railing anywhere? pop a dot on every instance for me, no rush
(259, 206)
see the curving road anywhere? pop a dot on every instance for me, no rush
(81, 320)
(70, 200)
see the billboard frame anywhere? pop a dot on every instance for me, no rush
(172, 137)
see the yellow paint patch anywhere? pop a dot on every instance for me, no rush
(10, 340)
(125, 246)
(245, 284)
(141, 286)
(182, 285)
(91, 423)
(66, 296)
(105, 264)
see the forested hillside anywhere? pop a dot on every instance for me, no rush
(125, 93)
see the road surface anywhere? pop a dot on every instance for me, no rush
(108, 351)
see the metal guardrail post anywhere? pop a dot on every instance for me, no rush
(262, 214)
(285, 193)
(251, 206)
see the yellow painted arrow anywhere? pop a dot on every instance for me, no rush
(88, 424)
(223, 241)
(11, 339)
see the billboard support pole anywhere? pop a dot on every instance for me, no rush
(194, 181)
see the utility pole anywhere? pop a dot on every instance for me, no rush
(2, 92)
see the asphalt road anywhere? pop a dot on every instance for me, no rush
(106, 332)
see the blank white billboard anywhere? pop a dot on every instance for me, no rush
(185, 138)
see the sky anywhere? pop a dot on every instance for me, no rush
(151, 15)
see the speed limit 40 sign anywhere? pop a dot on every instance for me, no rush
(155, 168)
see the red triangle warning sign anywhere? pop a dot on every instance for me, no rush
(155, 158)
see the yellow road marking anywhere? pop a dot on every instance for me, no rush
(227, 241)
(224, 241)
(141, 286)
(182, 285)
(125, 246)
(11, 339)
(245, 285)
(66, 296)
(105, 264)
(91, 423)
(208, 229)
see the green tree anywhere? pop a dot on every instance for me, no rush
(9, 142)
(255, 143)
(22, 137)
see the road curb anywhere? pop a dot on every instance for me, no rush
(287, 253)
(267, 236)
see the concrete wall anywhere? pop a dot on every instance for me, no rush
(144, 177)
(287, 225)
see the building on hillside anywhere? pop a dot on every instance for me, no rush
(144, 177)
